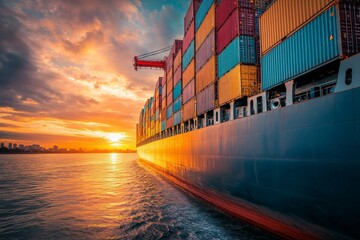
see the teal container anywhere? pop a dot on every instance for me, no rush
(202, 11)
(177, 90)
(169, 111)
(177, 104)
(163, 125)
(240, 50)
(188, 56)
(177, 118)
(308, 48)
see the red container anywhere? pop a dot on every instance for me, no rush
(163, 79)
(169, 98)
(170, 122)
(163, 92)
(206, 50)
(226, 7)
(163, 114)
(205, 100)
(241, 22)
(190, 14)
(189, 36)
(189, 91)
(177, 76)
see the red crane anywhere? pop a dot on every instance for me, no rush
(141, 62)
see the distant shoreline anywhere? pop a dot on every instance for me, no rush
(13, 152)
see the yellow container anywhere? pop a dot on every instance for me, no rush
(206, 75)
(189, 73)
(285, 16)
(239, 82)
(177, 60)
(205, 28)
(189, 110)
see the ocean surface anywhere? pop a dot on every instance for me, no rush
(103, 196)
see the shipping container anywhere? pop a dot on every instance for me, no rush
(202, 11)
(240, 22)
(169, 85)
(205, 100)
(189, 91)
(206, 50)
(206, 75)
(283, 17)
(188, 56)
(177, 118)
(177, 60)
(157, 126)
(189, 73)
(177, 76)
(190, 14)
(177, 104)
(163, 103)
(189, 110)
(189, 37)
(258, 13)
(157, 114)
(163, 125)
(169, 98)
(177, 90)
(163, 114)
(163, 79)
(350, 28)
(163, 91)
(207, 25)
(169, 111)
(170, 122)
(225, 8)
(239, 82)
(316, 43)
(240, 50)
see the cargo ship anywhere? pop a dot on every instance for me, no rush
(258, 113)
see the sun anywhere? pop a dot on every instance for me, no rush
(114, 137)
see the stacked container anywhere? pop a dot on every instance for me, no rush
(177, 88)
(235, 39)
(158, 100)
(294, 42)
(188, 63)
(163, 104)
(205, 66)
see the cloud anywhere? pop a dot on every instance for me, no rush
(69, 63)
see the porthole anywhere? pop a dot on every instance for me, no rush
(348, 76)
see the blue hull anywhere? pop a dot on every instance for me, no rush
(299, 163)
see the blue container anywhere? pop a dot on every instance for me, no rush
(169, 111)
(188, 56)
(163, 125)
(311, 46)
(240, 50)
(150, 102)
(202, 11)
(177, 118)
(177, 104)
(177, 90)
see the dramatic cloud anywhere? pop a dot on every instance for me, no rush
(66, 73)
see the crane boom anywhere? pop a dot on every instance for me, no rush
(141, 62)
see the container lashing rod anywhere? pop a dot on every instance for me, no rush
(141, 61)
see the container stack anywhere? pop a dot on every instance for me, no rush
(205, 66)
(158, 99)
(188, 62)
(235, 39)
(163, 103)
(176, 48)
(294, 42)
(177, 93)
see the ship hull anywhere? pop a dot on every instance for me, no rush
(299, 166)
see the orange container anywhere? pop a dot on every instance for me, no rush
(189, 73)
(177, 60)
(239, 82)
(169, 85)
(206, 75)
(205, 28)
(284, 17)
(189, 110)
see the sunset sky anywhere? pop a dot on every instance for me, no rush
(66, 74)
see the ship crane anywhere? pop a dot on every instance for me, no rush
(141, 61)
